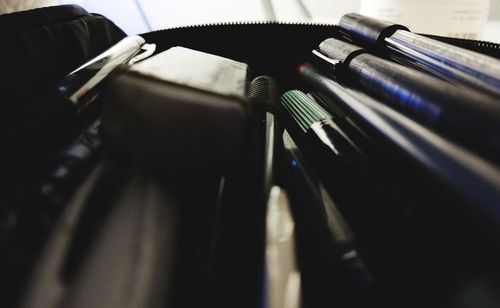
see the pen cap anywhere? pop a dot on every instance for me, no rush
(368, 31)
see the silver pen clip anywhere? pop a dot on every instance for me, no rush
(147, 51)
(333, 62)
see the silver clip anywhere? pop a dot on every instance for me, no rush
(335, 63)
(148, 50)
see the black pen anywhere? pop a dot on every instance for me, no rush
(358, 136)
(323, 214)
(465, 115)
(343, 167)
(467, 175)
(264, 95)
(314, 122)
(282, 279)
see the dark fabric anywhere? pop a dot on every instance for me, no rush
(40, 47)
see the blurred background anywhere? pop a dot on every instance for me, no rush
(474, 19)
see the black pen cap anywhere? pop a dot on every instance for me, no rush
(367, 30)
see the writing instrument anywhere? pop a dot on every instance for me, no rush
(465, 115)
(328, 221)
(282, 281)
(282, 274)
(62, 113)
(264, 95)
(82, 86)
(469, 177)
(470, 68)
(316, 123)
(340, 163)
(344, 156)
(70, 166)
(359, 137)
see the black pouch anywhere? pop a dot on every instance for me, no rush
(222, 267)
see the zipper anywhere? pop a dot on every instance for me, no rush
(247, 23)
(484, 47)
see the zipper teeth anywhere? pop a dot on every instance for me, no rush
(488, 48)
(249, 23)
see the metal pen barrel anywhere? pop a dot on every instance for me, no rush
(466, 116)
(473, 69)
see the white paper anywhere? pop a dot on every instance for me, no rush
(464, 18)
(290, 10)
(168, 14)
